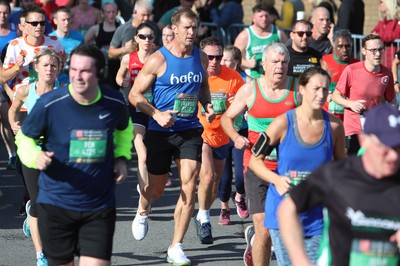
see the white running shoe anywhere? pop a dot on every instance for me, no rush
(176, 256)
(140, 227)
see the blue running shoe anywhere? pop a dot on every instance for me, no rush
(25, 227)
(41, 260)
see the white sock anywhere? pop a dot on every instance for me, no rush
(203, 216)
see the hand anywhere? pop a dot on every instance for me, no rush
(120, 170)
(282, 185)
(242, 143)
(210, 114)
(166, 119)
(252, 62)
(358, 106)
(44, 160)
(20, 60)
(16, 127)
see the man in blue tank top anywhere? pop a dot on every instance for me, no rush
(178, 80)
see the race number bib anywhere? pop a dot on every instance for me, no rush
(185, 104)
(88, 146)
(373, 253)
(218, 101)
(296, 177)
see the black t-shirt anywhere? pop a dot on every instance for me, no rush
(299, 62)
(324, 46)
(363, 211)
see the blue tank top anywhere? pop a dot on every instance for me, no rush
(296, 159)
(33, 96)
(178, 89)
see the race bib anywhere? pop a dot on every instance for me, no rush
(296, 177)
(218, 101)
(185, 104)
(88, 146)
(373, 253)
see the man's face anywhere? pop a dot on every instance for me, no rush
(4, 14)
(373, 52)
(342, 49)
(142, 15)
(321, 22)
(63, 21)
(300, 40)
(83, 74)
(186, 30)
(214, 53)
(36, 30)
(110, 13)
(276, 67)
(261, 19)
(384, 160)
(228, 60)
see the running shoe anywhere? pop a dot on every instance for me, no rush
(224, 217)
(247, 256)
(25, 227)
(241, 207)
(176, 256)
(41, 260)
(204, 232)
(140, 227)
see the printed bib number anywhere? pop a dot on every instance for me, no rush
(373, 253)
(88, 146)
(186, 104)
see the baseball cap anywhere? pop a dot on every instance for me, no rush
(384, 122)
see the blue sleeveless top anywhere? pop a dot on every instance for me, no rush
(33, 96)
(178, 88)
(296, 159)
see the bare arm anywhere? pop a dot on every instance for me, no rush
(154, 65)
(292, 233)
(282, 36)
(241, 43)
(114, 52)
(121, 74)
(13, 112)
(238, 105)
(91, 34)
(275, 133)
(395, 72)
(339, 152)
(355, 106)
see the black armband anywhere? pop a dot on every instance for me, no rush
(261, 146)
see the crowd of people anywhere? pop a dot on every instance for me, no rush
(307, 128)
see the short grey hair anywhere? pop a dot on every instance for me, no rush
(278, 47)
(143, 4)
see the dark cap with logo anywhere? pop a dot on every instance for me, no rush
(384, 122)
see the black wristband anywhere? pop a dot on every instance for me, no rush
(396, 82)
(205, 105)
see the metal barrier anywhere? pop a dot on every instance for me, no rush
(215, 30)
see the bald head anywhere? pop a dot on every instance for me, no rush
(321, 21)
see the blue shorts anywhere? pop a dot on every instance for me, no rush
(221, 153)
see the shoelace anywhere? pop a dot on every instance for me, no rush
(205, 229)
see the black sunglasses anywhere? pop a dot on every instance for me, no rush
(212, 57)
(35, 23)
(146, 36)
(301, 33)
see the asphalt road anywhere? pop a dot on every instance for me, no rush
(228, 247)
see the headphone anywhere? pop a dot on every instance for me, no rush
(93, 52)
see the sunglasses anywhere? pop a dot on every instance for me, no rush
(35, 23)
(301, 33)
(146, 36)
(212, 57)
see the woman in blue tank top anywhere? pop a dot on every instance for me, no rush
(47, 64)
(305, 137)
